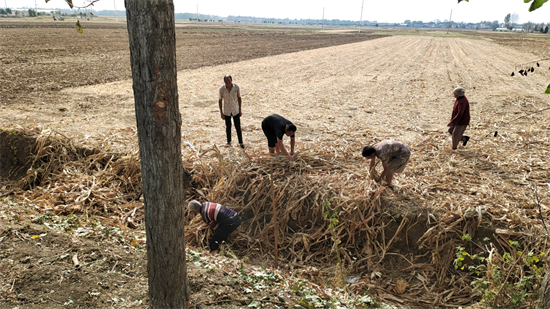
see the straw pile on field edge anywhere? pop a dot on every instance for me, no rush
(379, 231)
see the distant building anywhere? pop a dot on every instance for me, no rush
(502, 29)
(25, 12)
(403, 25)
(19, 12)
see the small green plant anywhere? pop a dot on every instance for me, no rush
(332, 216)
(502, 280)
(15, 157)
(366, 302)
(311, 299)
(13, 148)
(193, 256)
(227, 252)
(47, 217)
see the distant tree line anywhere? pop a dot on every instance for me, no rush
(510, 21)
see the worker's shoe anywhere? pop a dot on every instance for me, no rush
(466, 139)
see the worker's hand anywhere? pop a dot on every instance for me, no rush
(215, 252)
(223, 116)
(292, 153)
(240, 114)
(290, 158)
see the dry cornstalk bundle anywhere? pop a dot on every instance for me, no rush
(301, 189)
(68, 179)
(412, 229)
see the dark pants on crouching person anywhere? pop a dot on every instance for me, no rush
(237, 121)
(222, 232)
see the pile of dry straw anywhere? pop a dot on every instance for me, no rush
(409, 232)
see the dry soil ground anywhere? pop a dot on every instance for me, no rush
(337, 88)
(41, 59)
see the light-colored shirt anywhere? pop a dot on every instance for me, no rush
(230, 100)
(388, 150)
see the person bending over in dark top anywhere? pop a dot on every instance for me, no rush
(223, 220)
(275, 127)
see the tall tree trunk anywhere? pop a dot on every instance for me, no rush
(544, 300)
(151, 31)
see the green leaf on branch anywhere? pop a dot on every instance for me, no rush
(547, 90)
(79, 28)
(536, 4)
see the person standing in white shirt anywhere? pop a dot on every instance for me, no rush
(230, 106)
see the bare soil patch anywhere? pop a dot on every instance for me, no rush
(39, 59)
(15, 154)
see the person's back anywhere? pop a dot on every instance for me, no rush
(276, 122)
(215, 214)
(393, 154)
(223, 220)
(461, 112)
(275, 127)
(387, 149)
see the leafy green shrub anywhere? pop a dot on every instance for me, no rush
(505, 280)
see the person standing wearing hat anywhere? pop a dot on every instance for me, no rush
(460, 118)
(223, 220)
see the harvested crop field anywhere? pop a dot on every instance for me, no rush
(346, 92)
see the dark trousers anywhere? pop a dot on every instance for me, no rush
(237, 121)
(223, 231)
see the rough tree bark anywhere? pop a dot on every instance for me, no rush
(544, 300)
(151, 31)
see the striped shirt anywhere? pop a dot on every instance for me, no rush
(214, 214)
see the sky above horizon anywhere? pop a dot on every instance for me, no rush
(396, 11)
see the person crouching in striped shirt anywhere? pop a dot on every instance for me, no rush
(223, 220)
